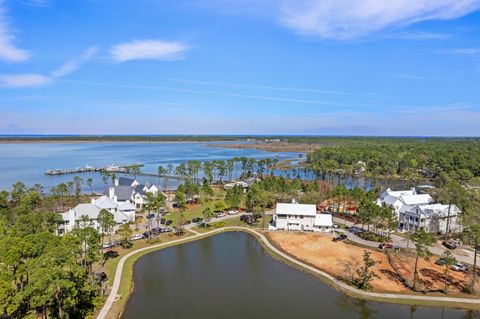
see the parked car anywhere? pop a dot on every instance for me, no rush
(167, 229)
(136, 237)
(335, 226)
(220, 214)
(247, 219)
(168, 222)
(340, 237)
(101, 276)
(458, 266)
(108, 245)
(150, 216)
(450, 244)
(232, 212)
(385, 246)
(162, 221)
(197, 220)
(440, 261)
(355, 230)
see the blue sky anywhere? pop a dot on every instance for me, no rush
(326, 67)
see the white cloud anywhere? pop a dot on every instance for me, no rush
(469, 52)
(423, 36)
(72, 65)
(23, 80)
(36, 80)
(346, 19)
(8, 50)
(148, 50)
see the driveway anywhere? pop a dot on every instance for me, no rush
(463, 255)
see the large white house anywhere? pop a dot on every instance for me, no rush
(122, 213)
(130, 190)
(300, 217)
(398, 200)
(431, 217)
(414, 211)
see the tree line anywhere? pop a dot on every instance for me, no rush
(42, 274)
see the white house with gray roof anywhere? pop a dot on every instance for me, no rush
(130, 190)
(122, 213)
(431, 217)
(399, 200)
(414, 211)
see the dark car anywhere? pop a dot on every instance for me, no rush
(197, 219)
(340, 237)
(450, 244)
(168, 222)
(355, 230)
(150, 216)
(162, 221)
(247, 219)
(441, 261)
(101, 276)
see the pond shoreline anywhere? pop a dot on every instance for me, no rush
(132, 257)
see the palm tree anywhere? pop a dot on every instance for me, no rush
(106, 221)
(90, 184)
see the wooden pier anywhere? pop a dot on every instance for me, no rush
(88, 169)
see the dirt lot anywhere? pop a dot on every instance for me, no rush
(340, 259)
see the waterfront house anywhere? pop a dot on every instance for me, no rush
(122, 213)
(300, 217)
(130, 190)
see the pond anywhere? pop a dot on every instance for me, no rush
(230, 275)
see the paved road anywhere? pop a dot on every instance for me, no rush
(461, 254)
(346, 288)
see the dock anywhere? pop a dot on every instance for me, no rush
(113, 168)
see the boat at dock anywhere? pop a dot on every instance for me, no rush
(112, 168)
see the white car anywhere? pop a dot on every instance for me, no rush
(220, 215)
(459, 267)
(107, 245)
(136, 237)
(232, 212)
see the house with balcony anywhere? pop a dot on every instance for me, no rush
(300, 217)
(433, 218)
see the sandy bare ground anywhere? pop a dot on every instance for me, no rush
(341, 259)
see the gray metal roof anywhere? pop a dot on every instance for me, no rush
(125, 181)
(123, 192)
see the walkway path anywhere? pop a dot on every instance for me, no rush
(460, 254)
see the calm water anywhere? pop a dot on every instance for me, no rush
(231, 276)
(28, 162)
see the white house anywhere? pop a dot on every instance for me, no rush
(398, 200)
(122, 213)
(300, 217)
(130, 190)
(414, 211)
(431, 217)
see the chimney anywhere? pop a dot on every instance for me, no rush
(111, 192)
(115, 182)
